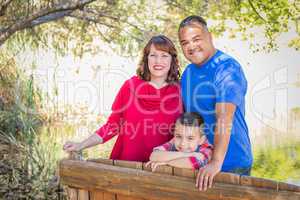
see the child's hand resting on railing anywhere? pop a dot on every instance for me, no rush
(154, 164)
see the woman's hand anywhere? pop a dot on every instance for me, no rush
(91, 141)
(72, 146)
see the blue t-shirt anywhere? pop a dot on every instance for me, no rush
(220, 79)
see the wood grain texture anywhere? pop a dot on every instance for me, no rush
(72, 193)
(259, 182)
(143, 184)
(83, 194)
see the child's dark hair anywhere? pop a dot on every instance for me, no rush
(191, 119)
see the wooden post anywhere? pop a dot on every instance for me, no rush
(73, 193)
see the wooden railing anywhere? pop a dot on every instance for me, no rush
(123, 180)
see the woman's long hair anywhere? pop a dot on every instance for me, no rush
(161, 43)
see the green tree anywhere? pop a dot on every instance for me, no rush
(246, 18)
(76, 25)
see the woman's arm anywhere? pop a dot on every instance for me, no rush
(109, 129)
(91, 141)
(114, 122)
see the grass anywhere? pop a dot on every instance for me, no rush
(27, 168)
(280, 162)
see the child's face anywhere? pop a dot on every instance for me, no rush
(186, 138)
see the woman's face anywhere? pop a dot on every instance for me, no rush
(159, 63)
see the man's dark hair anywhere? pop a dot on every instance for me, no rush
(192, 20)
(191, 119)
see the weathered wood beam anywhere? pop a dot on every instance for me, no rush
(144, 184)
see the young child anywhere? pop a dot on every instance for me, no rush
(188, 149)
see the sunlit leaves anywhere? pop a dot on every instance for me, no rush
(273, 17)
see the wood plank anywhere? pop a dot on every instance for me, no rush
(96, 195)
(72, 193)
(230, 178)
(100, 195)
(164, 169)
(184, 172)
(126, 197)
(144, 184)
(102, 160)
(288, 187)
(83, 194)
(109, 196)
(223, 177)
(128, 164)
(259, 182)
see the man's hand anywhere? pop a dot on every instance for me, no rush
(206, 175)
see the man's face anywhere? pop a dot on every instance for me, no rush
(196, 43)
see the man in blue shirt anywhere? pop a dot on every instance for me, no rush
(214, 86)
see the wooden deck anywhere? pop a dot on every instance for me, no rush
(123, 180)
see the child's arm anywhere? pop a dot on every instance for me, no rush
(173, 158)
(181, 163)
(193, 160)
(166, 152)
(164, 156)
(189, 162)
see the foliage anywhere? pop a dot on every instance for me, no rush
(26, 167)
(30, 175)
(80, 26)
(78, 29)
(247, 18)
(19, 100)
(279, 163)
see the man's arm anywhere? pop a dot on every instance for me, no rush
(224, 117)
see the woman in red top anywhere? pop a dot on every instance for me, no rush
(145, 108)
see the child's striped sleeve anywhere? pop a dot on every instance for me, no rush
(168, 146)
(200, 161)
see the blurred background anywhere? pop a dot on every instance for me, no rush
(62, 63)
